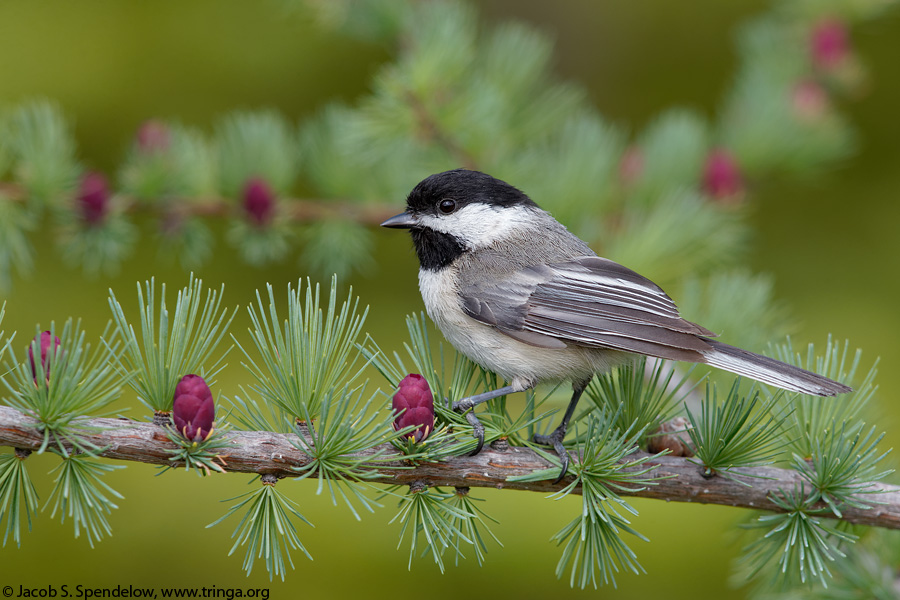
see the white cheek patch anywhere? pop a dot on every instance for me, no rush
(479, 225)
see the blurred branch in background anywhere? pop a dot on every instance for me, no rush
(456, 94)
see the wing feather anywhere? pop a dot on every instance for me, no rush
(589, 301)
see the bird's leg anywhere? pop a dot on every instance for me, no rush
(471, 402)
(556, 438)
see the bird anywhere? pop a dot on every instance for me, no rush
(513, 290)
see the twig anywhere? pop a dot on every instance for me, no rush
(432, 131)
(263, 452)
(297, 210)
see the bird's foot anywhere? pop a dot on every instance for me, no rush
(462, 406)
(555, 440)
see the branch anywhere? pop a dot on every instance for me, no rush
(263, 452)
(432, 131)
(299, 210)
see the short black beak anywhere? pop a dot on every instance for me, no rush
(402, 221)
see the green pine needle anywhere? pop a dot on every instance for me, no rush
(190, 244)
(441, 444)
(16, 493)
(43, 152)
(663, 169)
(682, 235)
(192, 163)
(428, 513)
(74, 383)
(259, 246)
(5, 154)
(179, 344)
(185, 169)
(250, 416)
(101, 248)
(316, 352)
(586, 153)
(16, 252)
(736, 432)
(868, 571)
(4, 341)
(812, 416)
(204, 456)
(79, 493)
(338, 246)
(799, 543)
(372, 20)
(267, 529)
(843, 466)
(343, 446)
(472, 526)
(594, 550)
(642, 394)
(759, 124)
(255, 144)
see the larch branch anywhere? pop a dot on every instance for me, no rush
(298, 210)
(263, 452)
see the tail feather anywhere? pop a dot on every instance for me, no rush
(770, 371)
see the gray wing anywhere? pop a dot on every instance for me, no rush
(589, 301)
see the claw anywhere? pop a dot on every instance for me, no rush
(467, 404)
(477, 431)
(462, 406)
(477, 428)
(555, 439)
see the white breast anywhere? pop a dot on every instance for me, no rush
(520, 364)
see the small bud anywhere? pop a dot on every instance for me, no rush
(416, 402)
(672, 436)
(193, 409)
(829, 44)
(46, 339)
(259, 201)
(722, 176)
(153, 137)
(631, 165)
(809, 101)
(93, 198)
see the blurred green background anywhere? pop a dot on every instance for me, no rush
(831, 242)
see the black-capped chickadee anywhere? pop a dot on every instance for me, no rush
(513, 290)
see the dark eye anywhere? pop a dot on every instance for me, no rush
(447, 206)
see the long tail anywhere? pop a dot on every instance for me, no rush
(770, 371)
